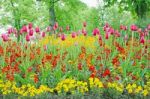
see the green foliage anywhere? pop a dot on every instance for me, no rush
(138, 7)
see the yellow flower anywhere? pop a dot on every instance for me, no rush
(128, 86)
(145, 92)
(134, 85)
(130, 90)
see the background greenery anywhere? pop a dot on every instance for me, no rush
(73, 12)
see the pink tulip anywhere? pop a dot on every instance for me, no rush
(45, 47)
(100, 37)
(107, 35)
(55, 26)
(43, 34)
(122, 27)
(31, 32)
(10, 30)
(85, 34)
(63, 37)
(67, 28)
(111, 31)
(24, 29)
(148, 27)
(117, 34)
(84, 31)
(27, 38)
(37, 30)
(59, 35)
(139, 30)
(142, 40)
(142, 34)
(5, 37)
(73, 35)
(30, 25)
(126, 37)
(96, 31)
(48, 29)
(84, 24)
(133, 27)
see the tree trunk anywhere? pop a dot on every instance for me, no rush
(16, 20)
(52, 13)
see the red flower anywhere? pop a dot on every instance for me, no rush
(36, 79)
(92, 75)
(29, 69)
(79, 66)
(92, 68)
(117, 78)
(106, 73)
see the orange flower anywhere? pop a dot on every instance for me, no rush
(36, 79)
(32, 56)
(1, 50)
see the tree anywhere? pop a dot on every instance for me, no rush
(138, 7)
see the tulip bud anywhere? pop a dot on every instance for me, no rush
(43, 34)
(63, 37)
(133, 27)
(31, 32)
(27, 38)
(142, 40)
(84, 24)
(5, 37)
(37, 29)
(30, 25)
(73, 35)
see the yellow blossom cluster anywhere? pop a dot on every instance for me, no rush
(118, 86)
(87, 41)
(72, 86)
(95, 82)
(133, 88)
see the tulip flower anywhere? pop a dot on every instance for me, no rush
(73, 35)
(133, 27)
(43, 34)
(37, 29)
(10, 30)
(148, 27)
(30, 25)
(107, 35)
(45, 47)
(59, 35)
(48, 29)
(27, 38)
(142, 40)
(60, 29)
(55, 26)
(63, 37)
(84, 24)
(5, 37)
(24, 29)
(67, 28)
(111, 31)
(100, 37)
(84, 32)
(96, 31)
(31, 32)
(126, 37)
